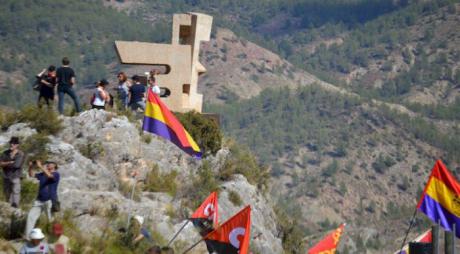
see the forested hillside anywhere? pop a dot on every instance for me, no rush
(337, 158)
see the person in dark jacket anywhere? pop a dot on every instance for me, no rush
(136, 94)
(11, 161)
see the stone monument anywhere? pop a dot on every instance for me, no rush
(180, 59)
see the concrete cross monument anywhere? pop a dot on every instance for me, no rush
(180, 59)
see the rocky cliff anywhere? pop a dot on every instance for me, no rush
(97, 152)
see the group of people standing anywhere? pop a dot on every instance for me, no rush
(64, 78)
(131, 93)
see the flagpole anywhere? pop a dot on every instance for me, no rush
(178, 232)
(193, 246)
(408, 230)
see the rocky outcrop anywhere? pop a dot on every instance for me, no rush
(97, 151)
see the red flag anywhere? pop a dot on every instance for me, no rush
(207, 210)
(423, 238)
(233, 236)
(329, 243)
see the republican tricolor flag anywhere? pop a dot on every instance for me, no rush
(329, 243)
(440, 200)
(423, 238)
(159, 120)
(232, 237)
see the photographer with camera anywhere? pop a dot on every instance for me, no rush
(11, 161)
(47, 197)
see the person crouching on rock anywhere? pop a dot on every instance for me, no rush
(48, 180)
(101, 96)
(35, 244)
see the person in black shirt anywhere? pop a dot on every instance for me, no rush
(136, 94)
(47, 84)
(66, 80)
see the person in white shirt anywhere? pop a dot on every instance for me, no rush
(101, 96)
(154, 86)
(36, 245)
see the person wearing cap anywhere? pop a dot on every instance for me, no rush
(35, 245)
(11, 162)
(136, 94)
(48, 180)
(101, 96)
(61, 245)
(136, 232)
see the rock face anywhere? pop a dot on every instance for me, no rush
(97, 151)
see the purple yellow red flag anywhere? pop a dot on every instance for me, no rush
(440, 200)
(423, 238)
(159, 120)
(329, 244)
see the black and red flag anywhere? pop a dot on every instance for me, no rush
(232, 237)
(207, 212)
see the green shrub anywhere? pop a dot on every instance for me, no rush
(331, 169)
(44, 120)
(126, 189)
(289, 230)
(29, 191)
(92, 150)
(147, 138)
(161, 182)
(171, 212)
(235, 198)
(203, 183)
(242, 161)
(35, 147)
(383, 163)
(203, 130)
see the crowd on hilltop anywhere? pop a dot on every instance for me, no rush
(47, 202)
(130, 92)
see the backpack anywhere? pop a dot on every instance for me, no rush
(37, 84)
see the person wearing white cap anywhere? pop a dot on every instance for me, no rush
(35, 244)
(136, 232)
